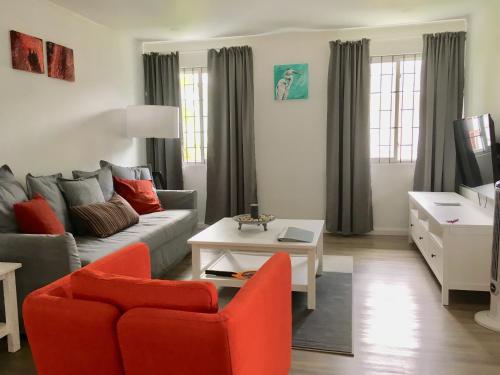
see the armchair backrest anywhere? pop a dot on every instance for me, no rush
(252, 335)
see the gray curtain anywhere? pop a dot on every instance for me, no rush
(161, 87)
(441, 102)
(348, 181)
(231, 176)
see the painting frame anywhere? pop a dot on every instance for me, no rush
(60, 62)
(26, 52)
(291, 82)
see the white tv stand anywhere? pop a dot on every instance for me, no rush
(459, 254)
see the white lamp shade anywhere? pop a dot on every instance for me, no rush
(152, 121)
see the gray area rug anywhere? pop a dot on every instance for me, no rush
(326, 329)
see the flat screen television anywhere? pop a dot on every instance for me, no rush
(477, 150)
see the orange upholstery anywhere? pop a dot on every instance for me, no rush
(69, 335)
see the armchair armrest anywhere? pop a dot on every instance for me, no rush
(259, 320)
(161, 341)
(45, 258)
(71, 336)
(178, 199)
(251, 336)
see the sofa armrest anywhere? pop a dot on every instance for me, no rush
(178, 199)
(253, 335)
(44, 258)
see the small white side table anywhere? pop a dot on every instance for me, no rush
(11, 326)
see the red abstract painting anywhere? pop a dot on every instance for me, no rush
(60, 62)
(27, 52)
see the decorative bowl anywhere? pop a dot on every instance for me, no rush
(246, 219)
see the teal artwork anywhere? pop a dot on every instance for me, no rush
(291, 81)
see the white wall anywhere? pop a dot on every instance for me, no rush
(483, 57)
(49, 125)
(290, 136)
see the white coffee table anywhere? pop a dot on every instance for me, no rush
(11, 326)
(225, 248)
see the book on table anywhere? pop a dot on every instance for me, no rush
(293, 234)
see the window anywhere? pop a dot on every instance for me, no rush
(394, 108)
(193, 83)
(479, 137)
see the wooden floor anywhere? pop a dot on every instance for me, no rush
(400, 326)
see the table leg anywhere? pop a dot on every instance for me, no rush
(11, 317)
(320, 254)
(311, 279)
(196, 262)
(445, 295)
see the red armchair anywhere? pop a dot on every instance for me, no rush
(125, 331)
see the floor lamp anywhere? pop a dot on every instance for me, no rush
(153, 121)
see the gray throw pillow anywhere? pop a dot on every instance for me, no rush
(142, 172)
(48, 188)
(11, 192)
(104, 177)
(81, 192)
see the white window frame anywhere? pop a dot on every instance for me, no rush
(202, 119)
(397, 109)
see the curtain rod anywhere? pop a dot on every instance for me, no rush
(196, 51)
(185, 52)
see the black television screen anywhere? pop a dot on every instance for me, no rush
(476, 147)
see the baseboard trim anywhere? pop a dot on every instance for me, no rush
(388, 232)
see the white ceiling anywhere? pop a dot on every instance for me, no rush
(196, 19)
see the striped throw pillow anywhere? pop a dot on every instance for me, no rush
(107, 218)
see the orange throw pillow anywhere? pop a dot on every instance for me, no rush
(139, 193)
(37, 217)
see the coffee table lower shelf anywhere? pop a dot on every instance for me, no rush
(238, 261)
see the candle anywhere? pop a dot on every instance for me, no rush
(254, 211)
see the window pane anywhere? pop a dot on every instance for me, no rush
(386, 101)
(385, 152)
(394, 107)
(406, 136)
(407, 118)
(194, 92)
(385, 120)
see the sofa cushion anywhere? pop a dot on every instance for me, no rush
(154, 229)
(127, 292)
(11, 192)
(104, 177)
(37, 217)
(48, 188)
(77, 193)
(142, 172)
(107, 218)
(140, 195)
(81, 192)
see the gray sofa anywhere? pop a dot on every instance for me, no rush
(46, 258)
